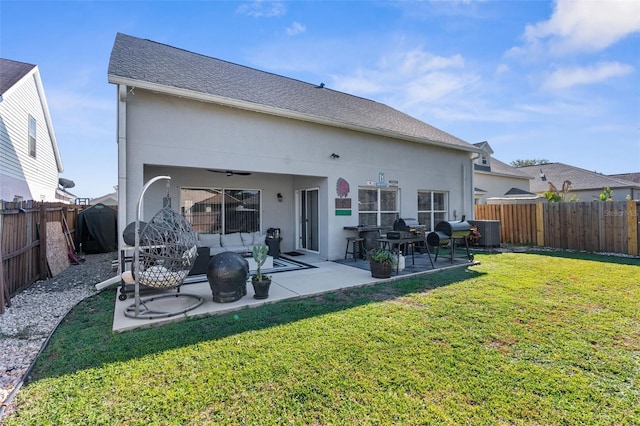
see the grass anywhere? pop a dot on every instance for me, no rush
(520, 339)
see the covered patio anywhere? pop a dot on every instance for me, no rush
(323, 277)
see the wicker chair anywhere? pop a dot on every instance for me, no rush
(165, 250)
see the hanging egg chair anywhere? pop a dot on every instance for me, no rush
(165, 250)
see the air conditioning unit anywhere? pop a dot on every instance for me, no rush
(489, 232)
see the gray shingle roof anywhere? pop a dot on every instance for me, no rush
(581, 179)
(518, 191)
(633, 177)
(499, 167)
(11, 72)
(138, 60)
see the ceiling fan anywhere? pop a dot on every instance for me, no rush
(230, 172)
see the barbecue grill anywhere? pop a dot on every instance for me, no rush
(404, 228)
(450, 233)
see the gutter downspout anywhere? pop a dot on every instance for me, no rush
(122, 165)
(473, 186)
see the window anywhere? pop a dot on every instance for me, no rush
(432, 208)
(219, 210)
(378, 206)
(32, 136)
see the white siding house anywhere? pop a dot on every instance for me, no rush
(497, 182)
(284, 153)
(30, 161)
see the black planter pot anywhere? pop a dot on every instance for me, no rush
(261, 288)
(380, 270)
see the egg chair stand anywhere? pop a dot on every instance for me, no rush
(164, 252)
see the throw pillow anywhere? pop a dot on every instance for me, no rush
(231, 240)
(258, 238)
(247, 238)
(209, 240)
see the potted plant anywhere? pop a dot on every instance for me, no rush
(474, 236)
(381, 263)
(261, 283)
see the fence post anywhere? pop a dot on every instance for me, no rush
(4, 288)
(540, 224)
(2, 284)
(631, 212)
(44, 269)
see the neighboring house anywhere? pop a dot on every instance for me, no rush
(498, 181)
(64, 196)
(29, 160)
(633, 177)
(110, 199)
(291, 155)
(585, 185)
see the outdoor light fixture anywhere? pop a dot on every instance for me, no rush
(334, 156)
(279, 197)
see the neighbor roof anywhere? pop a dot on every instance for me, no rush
(518, 191)
(581, 179)
(11, 72)
(150, 65)
(633, 177)
(500, 168)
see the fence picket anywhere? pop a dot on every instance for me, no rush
(23, 240)
(589, 226)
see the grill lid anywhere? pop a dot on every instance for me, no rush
(454, 229)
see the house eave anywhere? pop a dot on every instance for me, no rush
(280, 112)
(47, 117)
(483, 172)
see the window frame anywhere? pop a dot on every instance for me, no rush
(220, 221)
(32, 137)
(379, 213)
(432, 212)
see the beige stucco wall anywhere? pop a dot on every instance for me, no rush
(183, 138)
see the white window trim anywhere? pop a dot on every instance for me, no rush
(380, 212)
(433, 211)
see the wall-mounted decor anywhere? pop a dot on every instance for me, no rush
(342, 188)
(343, 203)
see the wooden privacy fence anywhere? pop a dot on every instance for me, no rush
(598, 226)
(23, 242)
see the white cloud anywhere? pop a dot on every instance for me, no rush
(502, 69)
(296, 28)
(408, 77)
(435, 86)
(262, 9)
(421, 84)
(582, 26)
(418, 61)
(567, 77)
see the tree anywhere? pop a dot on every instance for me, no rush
(529, 162)
(606, 194)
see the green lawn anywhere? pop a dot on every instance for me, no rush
(520, 339)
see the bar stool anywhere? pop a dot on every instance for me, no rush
(356, 243)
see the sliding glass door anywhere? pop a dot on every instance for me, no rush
(308, 219)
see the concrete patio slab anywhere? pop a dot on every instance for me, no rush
(325, 276)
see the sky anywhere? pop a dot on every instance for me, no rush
(555, 80)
